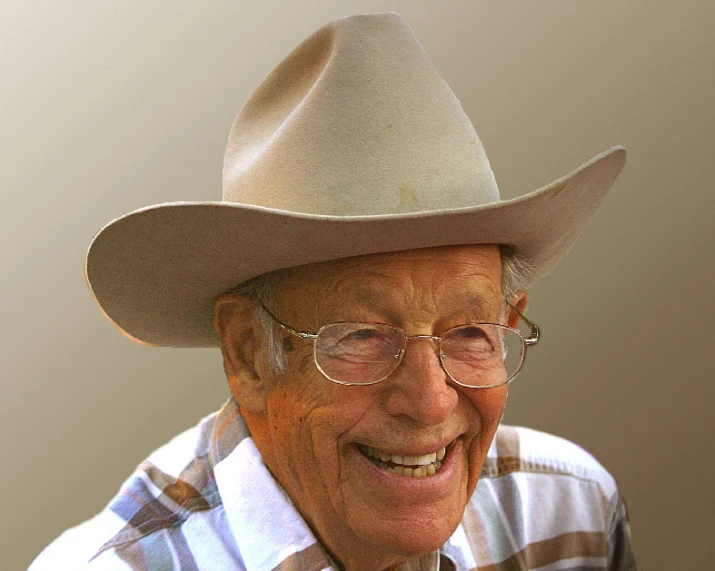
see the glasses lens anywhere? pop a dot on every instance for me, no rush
(358, 353)
(479, 355)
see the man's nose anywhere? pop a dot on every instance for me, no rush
(419, 389)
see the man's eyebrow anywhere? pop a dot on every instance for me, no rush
(483, 307)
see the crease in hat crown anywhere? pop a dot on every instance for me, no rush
(356, 121)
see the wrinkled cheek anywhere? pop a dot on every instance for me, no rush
(289, 451)
(491, 410)
(329, 478)
(491, 406)
(308, 457)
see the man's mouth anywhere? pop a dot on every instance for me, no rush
(404, 465)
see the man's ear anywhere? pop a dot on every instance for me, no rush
(520, 303)
(238, 329)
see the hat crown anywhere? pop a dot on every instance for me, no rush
(356, 121)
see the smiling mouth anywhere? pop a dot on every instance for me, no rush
(405, 465)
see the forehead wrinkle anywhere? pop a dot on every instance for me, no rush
(395, 283)
(391, 296)
(364, 291)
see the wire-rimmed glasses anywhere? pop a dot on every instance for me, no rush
(475, 355)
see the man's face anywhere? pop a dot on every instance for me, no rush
(315, 434)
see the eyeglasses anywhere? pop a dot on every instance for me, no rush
(475, 355)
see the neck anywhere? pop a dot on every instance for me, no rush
(429, 562)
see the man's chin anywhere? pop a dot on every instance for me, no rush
(409, 540)
(405, 516)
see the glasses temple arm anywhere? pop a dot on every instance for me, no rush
(288, 328)
(533, 338)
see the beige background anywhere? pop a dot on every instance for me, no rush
(109, 106)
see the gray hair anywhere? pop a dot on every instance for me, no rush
(516, 274)
(263, 288)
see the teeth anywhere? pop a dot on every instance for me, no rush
(426, 459)
(406, 465)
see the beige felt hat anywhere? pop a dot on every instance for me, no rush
(353, 145)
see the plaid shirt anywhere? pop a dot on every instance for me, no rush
(207, 501)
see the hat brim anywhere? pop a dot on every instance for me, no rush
(157, 271)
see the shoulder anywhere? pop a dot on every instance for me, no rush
(517, 449)
(173, 485)
(547, 476)
(542, 500)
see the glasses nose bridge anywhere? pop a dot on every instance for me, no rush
(436, 338)
(422, 336)
(400, 357)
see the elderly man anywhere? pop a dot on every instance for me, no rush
(366, 286)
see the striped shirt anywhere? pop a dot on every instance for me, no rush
(207, 501)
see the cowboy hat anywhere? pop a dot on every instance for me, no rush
(353, 145)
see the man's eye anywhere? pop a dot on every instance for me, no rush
(472, 338)
(471, 332)
(361, 334)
